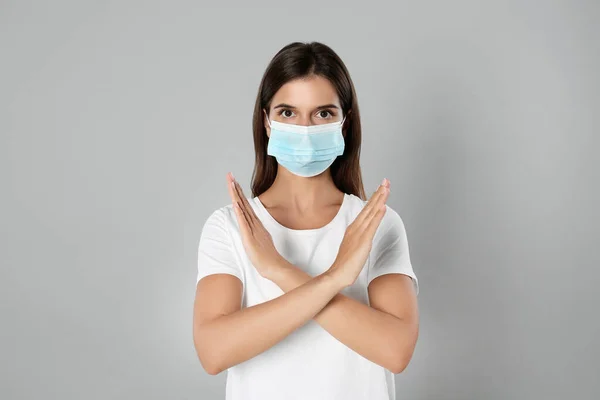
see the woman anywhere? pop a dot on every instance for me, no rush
(306, 290)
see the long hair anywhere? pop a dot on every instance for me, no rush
(299, 60)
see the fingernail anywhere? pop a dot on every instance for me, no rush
(383, 181)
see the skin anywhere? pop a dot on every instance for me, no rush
(384, 332)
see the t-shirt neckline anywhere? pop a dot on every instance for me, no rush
(272, 221)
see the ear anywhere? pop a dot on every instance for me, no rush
(266, 123)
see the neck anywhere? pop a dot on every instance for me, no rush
(301, 192)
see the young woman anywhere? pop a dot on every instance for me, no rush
(306, 290)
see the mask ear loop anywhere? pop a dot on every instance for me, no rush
(268, 119)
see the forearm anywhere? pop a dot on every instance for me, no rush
(239, 336)
(374, 334)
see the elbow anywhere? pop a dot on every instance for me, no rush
(212, 370)
(209, 364)
(400, 359)
(208, 359)
(398, 366)
(404, 347)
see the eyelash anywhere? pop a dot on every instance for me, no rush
(281, 111)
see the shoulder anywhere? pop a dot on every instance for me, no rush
(391, 227)
(225, 216)
(221, 217)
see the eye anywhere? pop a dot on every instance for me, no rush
(320, 113)
(283, 111)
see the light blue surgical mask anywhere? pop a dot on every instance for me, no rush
(306, 150)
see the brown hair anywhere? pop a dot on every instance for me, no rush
(298, 60)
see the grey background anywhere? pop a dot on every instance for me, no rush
(119, 121)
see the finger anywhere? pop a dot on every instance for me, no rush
(383, 193)
(377, 216)
(230, 189)
(380, 189)
(360, 218)
(376, 206)
(241, 207)
(365, 210)
(248, 208)
(245, 228)
(375, 221)
(236, 200)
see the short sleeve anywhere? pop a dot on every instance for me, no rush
(216, 254)
(390, 253)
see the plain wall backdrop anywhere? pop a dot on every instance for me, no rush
(120, 119)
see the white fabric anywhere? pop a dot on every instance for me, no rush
(309, 363)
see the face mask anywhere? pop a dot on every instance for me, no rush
(306, 150)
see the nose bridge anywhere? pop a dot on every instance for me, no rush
(305, 120)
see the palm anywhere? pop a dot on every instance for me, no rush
(358, 238)
(257, 241)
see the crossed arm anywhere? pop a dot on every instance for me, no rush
(385, 332)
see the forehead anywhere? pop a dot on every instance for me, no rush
(306, 93)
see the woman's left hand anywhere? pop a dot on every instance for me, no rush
(257, 241)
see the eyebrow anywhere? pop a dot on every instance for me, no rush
(282, 105)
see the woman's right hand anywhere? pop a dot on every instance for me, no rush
(358, 239)
(257, 241)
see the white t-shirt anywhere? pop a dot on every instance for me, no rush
(309, 363)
